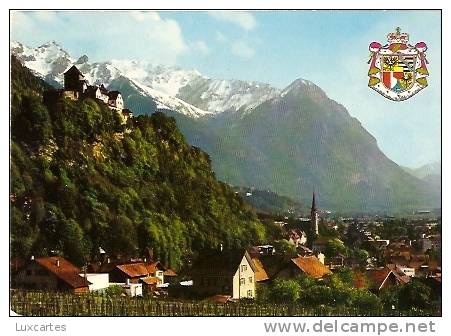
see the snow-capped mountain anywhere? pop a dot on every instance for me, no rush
(50, 61)
(186, 91)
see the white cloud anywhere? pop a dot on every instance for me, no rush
(20, 20)
(142, 16)
(104, 35)
(200, 47)
(45, 16)
(243, 19)
(242, 49)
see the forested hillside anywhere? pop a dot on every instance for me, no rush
(81, 180)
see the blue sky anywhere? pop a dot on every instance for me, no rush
(329, 48)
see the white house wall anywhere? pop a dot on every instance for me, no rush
(241, 290)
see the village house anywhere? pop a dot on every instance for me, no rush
(53, 274)
(230, 273)
(278, 266)
(310, 266)
(260, 272)
(386, 277)
(98, 281)
(169, 276)
(337, 261)
(297, 237)
(149, 274)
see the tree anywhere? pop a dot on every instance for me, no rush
(365, 300)
(414, 294)
(344, 274)
(285, 291)
(284, 247)
(361, 257)
(334, 247)
(74, 245)
(114, 290)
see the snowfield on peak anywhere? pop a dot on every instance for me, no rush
(49, 59)
(224, 95)
(167, 80)
(184, 91)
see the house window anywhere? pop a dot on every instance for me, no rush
(250, 279)
(243, 268)
(249, 293)
(242, 281)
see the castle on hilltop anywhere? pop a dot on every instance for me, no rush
(77, 87)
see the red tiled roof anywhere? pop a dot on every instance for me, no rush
(260, 273)
(139, 269)
(169, 272)
(399, 274)
(311, 266)
(65, 271)
(151, 280)
(359, 280)
(378, 277)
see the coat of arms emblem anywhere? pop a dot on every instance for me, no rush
(398, 69)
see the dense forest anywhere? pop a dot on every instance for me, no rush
(81, 180)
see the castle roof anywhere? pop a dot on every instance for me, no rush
(73, 70)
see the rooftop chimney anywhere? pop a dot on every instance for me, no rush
(57, 263)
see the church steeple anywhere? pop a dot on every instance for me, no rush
(313, 202)
(314, 216)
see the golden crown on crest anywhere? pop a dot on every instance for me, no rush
(398, 37)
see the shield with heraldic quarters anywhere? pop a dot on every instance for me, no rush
(398, 70)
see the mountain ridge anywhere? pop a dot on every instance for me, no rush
(289, 140)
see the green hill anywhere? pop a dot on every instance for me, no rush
(80, 180)
(298, 141)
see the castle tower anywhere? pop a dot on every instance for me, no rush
(314, 216)
(74, 80)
